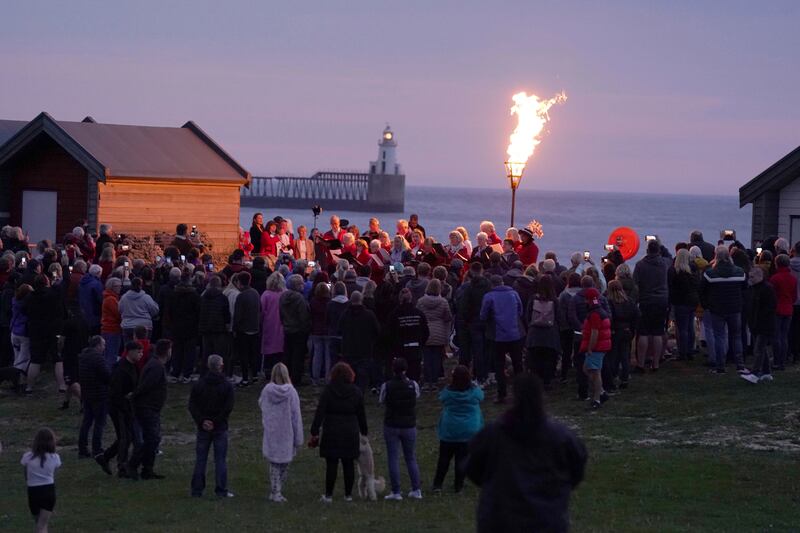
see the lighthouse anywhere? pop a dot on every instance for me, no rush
(386, 164)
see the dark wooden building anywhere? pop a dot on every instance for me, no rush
(139, 179)
(775, 195)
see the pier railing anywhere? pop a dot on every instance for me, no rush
(350, 186)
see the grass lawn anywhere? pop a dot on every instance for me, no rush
(682, 450)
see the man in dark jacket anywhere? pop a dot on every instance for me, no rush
(210, 404)
(121, 386)
(706, 248)
(246, 327)
(761, 322)
(94, 377)
(360, 330)
(296, 319)
(409, 332)
(90, 297)
(502, 308)
(474, 349)
(721, 293)
(650, 275)
(215, 315)
(148, 399)
(183, 306)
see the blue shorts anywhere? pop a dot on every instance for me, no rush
(594, 360)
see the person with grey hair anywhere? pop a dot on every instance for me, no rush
(104, 237)
(721, 294)
(90, 298)
(78, 243)
(295, 316)
(210, 404)
(501, 307)
(781, 246)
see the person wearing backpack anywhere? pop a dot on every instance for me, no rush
(544, 338)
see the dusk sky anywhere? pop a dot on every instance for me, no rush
(684, 97)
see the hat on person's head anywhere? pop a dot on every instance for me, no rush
(592, 297)
(398, 267)
(526, 231)
(278, 219)
(343, 222)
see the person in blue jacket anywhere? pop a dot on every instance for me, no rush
(461, 419)
(502, 306)
(90, 298)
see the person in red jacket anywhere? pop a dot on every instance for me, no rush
(270, 240)
(595, 342)
(528, 252)
(785, 285)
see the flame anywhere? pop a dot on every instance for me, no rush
(532, 115)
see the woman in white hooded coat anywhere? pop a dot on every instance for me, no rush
(283, 427)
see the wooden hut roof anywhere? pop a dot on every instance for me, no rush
(115, 150)
(775, 178)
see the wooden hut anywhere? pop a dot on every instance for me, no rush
(139, 179)
(775, 195)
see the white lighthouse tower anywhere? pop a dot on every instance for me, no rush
(386, 163)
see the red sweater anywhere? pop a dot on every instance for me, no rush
(528, 253)
(785, 290)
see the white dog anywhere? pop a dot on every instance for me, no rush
(368, 485)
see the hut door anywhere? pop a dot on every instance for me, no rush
(39, 209)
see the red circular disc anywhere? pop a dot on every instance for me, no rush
(626, 240)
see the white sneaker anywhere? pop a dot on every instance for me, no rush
(766, 377)
(348, 498)
(749, 377)
(277, 498)
(185, 380)
(172, 379)
(415, 494)
(227, 495)
(326, 499)
(393, 496)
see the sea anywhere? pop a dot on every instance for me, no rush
(571, 221)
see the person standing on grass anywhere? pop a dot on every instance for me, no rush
(409, 332)
(271, 329)
(650, 275)
(721, 290)
(137, 308)
(544, 338)
(44, 308)
(183, 306)
(460, 420)
(503, 308)
(111, 321)
(399, 395)
(360, 330)
(341, 417)
(684, 284)
(595, 342)
(210, 404)
(94, 378)
(295, 317)
(122, 383)
(624, 319)
(148, 399)
(215, 316)
(440, 319)
(40, 465)
(283, 428)
(761, 321)
(246, 328)
(785, 286)
(527, 465)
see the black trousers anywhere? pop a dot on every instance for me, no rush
(348, 469)
(247, 348)
(541, 361)
(145, 453)
(184, 353)
(448, 450)
(219, 344)
(123, 428)
(514, 350)
(567, 338)
(295, 350)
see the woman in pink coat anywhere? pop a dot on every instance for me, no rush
(271, 327)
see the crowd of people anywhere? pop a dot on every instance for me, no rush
(396, 314)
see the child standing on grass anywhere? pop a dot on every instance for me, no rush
(40, 466)
(595, 342)
(283, 428)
